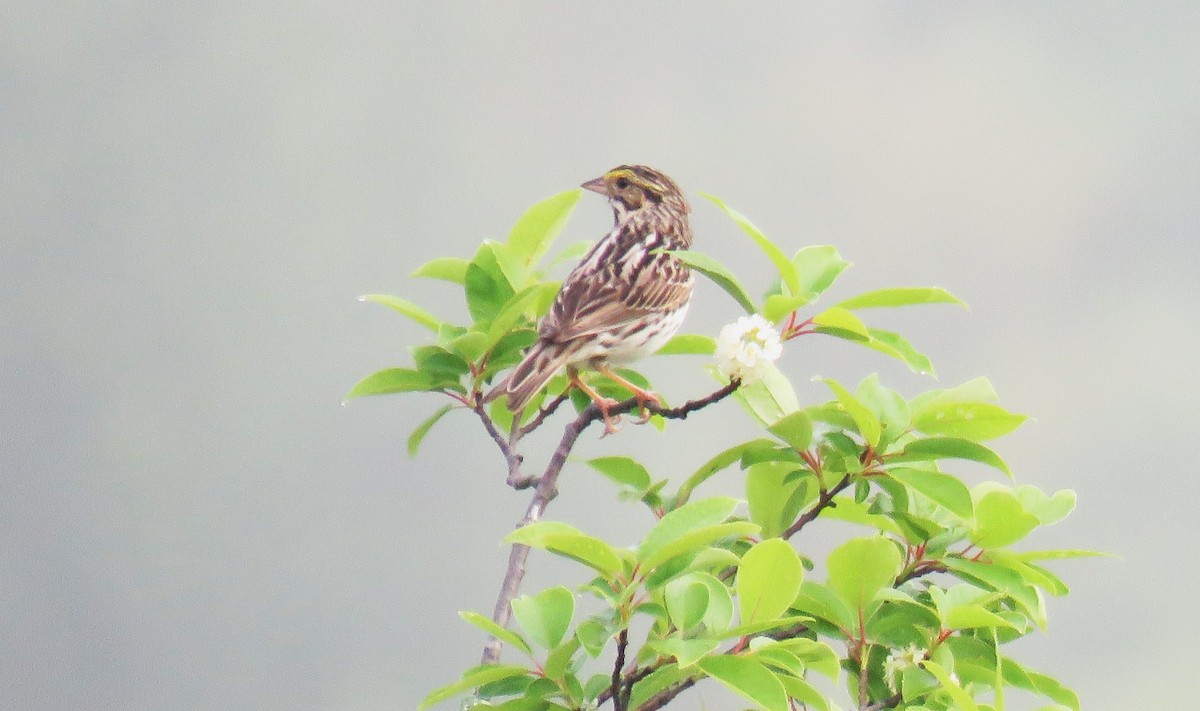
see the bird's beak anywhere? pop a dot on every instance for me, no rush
(597, 186)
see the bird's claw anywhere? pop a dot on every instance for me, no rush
(611, 422)
(651, 398)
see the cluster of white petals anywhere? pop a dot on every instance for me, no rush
(747, 347)
(898, 661)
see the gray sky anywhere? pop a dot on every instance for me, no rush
(192, 198)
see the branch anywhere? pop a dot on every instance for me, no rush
(547, 487)
(620, 701)
(516, 479)
(668, 694)
(545, 412)
(890, 702)
(665, 696)
(543, 493)
(633, 678)
(681, 412)
(823, 502)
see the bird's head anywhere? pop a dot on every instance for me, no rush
(630, 188)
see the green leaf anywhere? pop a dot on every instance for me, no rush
(795, 429)
(787, 270)
(694, 540)
(1061, 554)
(900, 296)
(962, 700)
(894, 345)
(1022, 678)
(686, 651)
(761, 626)
(768, 580)
(391, 380)
(512, 267)
(1047, 509)
(779, 660)
(1000, 579)
(689, 344)
(545, 617)
(470, 346)
(472, 678)
(851, 511)
(974, 616)
(536, 229)
(748, 678)
(559, 662)
(444, 369)
(769, 398)
(974, 390)
(624, 471)
(487, 286)
(567, 541)
(777, 306)
(571, 252)
(839, 322)
(975, 421)
(452, 269)
(804, 692)
(821, 601)
(817, 656)
(943, 489)
(860, 567)
(516, 307)
(675, 524)
(414, 439)
(818, 266)
(498, 696)
(867, 423)
(777, 656)
(593, 635)
(718, 616)
(934, 448)
(686, 599)
(774, 497)
(719, 462)
(405, 307)
(665, 676)
(888, 406)
(1000, 520)
(717, 272)
(495, 630)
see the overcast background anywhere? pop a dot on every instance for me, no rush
(193, 196)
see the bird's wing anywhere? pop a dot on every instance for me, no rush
(597, 298)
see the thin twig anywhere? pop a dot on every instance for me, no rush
(543, 413)
(634, 677)
(544, 492)
(890, 702)
(668, 694)
(665, 696)
(619, 699)
(547, 488)
(823, 502)
(512, 458)
(681, 412)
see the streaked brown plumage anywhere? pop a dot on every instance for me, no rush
(623, 301)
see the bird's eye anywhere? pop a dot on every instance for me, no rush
(622, 183)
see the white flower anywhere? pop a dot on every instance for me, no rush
(898, 661)
(747, 347)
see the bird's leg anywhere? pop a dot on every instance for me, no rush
(642, 396)
(610, 423)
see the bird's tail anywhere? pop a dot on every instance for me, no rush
(540, 364)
